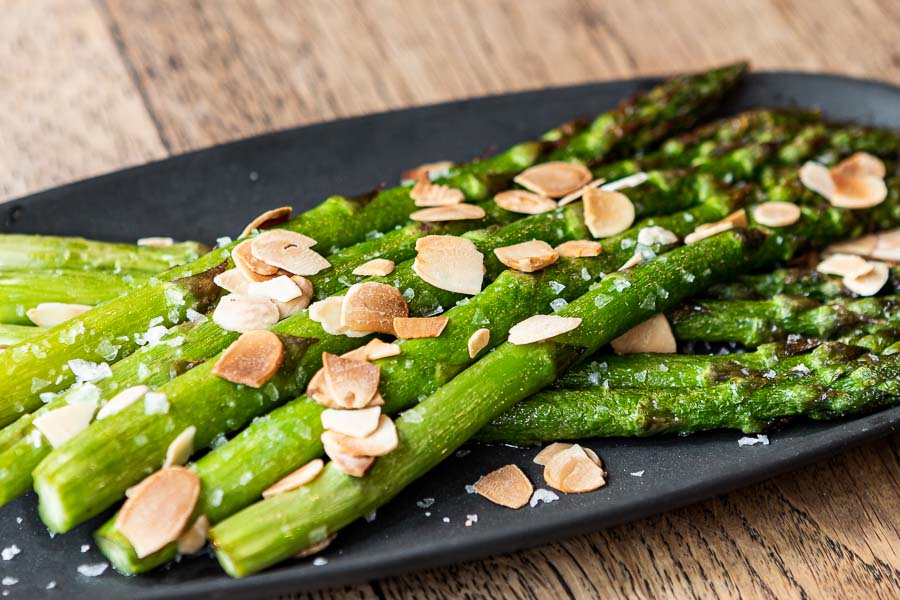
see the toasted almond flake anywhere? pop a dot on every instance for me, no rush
(122, 400)
(156, 242)
(425, 193)
(292, 307)
(527, 257)
(861, 164)
(544, 456)
(862, 246)
(425, 171)
(634, 261)
(181, 448)
(51, 314)
(245, 313)
(327, 312)
(816, 177)
(158, 511)
(233, 281)
(376, 400)
(887, 246)
(554, 179)
(522, 202)
(857, 192)
(355, 466)
(349, 383)
(355, 423)
(653, 335)
(738, 218)
(478, 341)
(845, 265)
(870, 283)
(361, 353)
(377, 349)
(269, 218)
(251, 267)
(297, 479)
(251, 360)
(541, 327)
(856, 183)
(372, 306)
(288, 250)
(507, 486)
(409, 328)
(62, 424)
(317, 547)
(279, 289)
(701, 233)
(776, 214)
(377, 267)
(572, 470)
(380, 442)
(607, 213)
(579, 248)
(194, 539)
(577, 194)
(454, 212)
(449, 263)
(627, 182)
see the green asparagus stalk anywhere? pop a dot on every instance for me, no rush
(13, 334)
(789, 282)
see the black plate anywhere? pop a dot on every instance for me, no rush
(207, 193)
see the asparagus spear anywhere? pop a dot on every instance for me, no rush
(790, 282)
(13, 334)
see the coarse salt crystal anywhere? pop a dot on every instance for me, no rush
(10, 552)
(9, 581)
(637, 474)
(542, 495)
(425, 502)
(94, 570)
(156, 403)
(85, 370)
(749, 441)
(319, 562)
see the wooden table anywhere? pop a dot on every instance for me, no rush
(88, 87)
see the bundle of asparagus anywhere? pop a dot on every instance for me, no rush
(474, 301)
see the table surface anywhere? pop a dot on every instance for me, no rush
(93, 86)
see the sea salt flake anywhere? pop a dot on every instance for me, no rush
(462, 453)
(85, 548)
(195, 317)
(223, 241)
(94, 570)
(369, 517)
(50, 585)
(320, 562)
(155, 403)
(446, 519)
(85, 370)
(9, 581)
(558, 304)
(470, 489)
(637, 474)
(9, 552)
(557, 286)
(425, 502)
(749, 441)
(542, 495)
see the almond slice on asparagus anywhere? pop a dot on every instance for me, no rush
(349, 383)
(280, 289)
(554, 179)
(844, 265)
(425, 193)
(634, 261)
(525, 203)
(181, 448)
(527, 257)
(194, 538)
(251, 360)
(380, 442)
(507, 486)
(377, 267)
(887, 246)
(478, 341)
(573, 471)
(276, 216)
(158, 510)
(292, 307)
(233, 281)
(579, 249)
(856, 183)
(861, 246)
(355, 466)
(377, 349)
(62, 424)
(288, 250)
(251, 267)
(327, 313)
(297, 479)
(861, 164)
(355, 423)
(869, 283)
(577, 194)
(156, 242)
(51, 314)
(701, 233)
(541, 327)
(607, 213)
(653, 335)
(454, 212)
(371, 306)
(776, 214)
(426, 171)
(410, 328)
(449, 263)
(122, 400)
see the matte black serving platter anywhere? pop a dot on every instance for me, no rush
(212, 192)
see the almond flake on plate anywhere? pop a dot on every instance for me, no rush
(454, 212)
(478, 341)
(355, 423)
(507, 486)
(279, 289)
(579, 248)
(527, 257)
(525, 203)
(251, 360)
(573, 471)
(233, 281)
(544, 456)
(554, 179)
(425, 171)
(425, 193)
(377, 267)
(577, 194)
(869, 283)
(409, 328)
(653, 335)
(156, 242)
(380, 442)
(245, 313)
(855, 183)
(276, 216)
(181, 448)
(288, 250)
(297, 479)
(158, 510)
(62, 424)
(194, 538)
(541, 327)
(844, 265)
(122, 400)
(607, 213)
(51, 314)
(776, 214)
(449, 263)
(327, 313)
(251, 267)
(372, 307)
(349, 383)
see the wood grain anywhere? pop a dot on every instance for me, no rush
(119, 81)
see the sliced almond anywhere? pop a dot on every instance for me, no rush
(634, 261)
(478, 341)
(862, 246)
(541, 327)
(887, 246)
(544, 456)
(738, 218)
(858, 192)
(158, 511)
(181, 448)
(380, 442)
(579, 248)
(62, 424)
(249, 266)
(426, 171)
(573, 471)
(51, 314)
(455, 212)
(292, 307)
(276, 216)
(371, 306)
(449, 263)
(194, 539)
(349, 383)
(554, 179)
(861, 164)
(629, 181)
(245, 313)
(355, 466)
(297, 479)
(522, 202)
(870, 283)
(425, 193)
(288, 250)
(653, 335)
(233, 281)
(122, 400)
(817, 177)
(377, 267)
(845, 265)
(355, 423)
(410, 328)
(701, 233)
(279, 289)
(507, 486)
(317, 547)
(327, 312)
(577, 194)
(527, 257)
(607, 213)
(376, 349)
(854, 183)
(251, 360)
(156, 242)
(776, 214)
